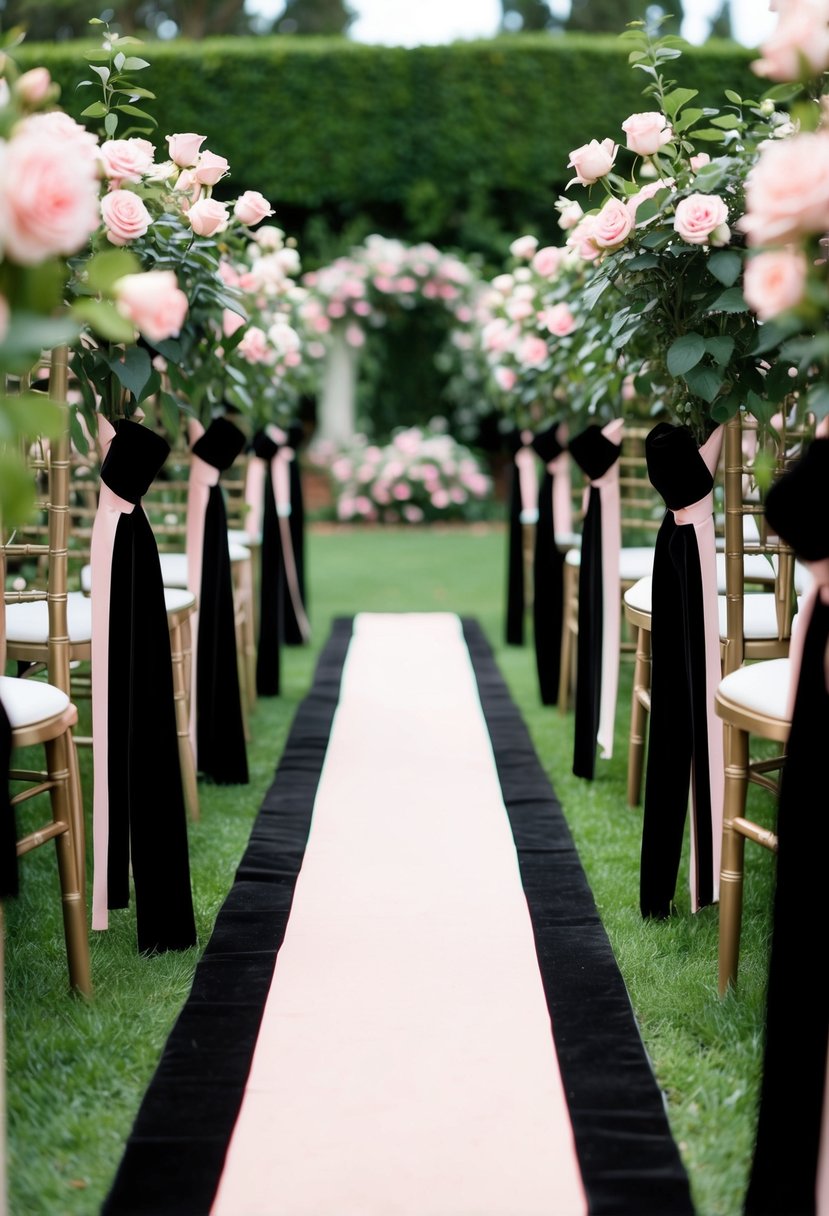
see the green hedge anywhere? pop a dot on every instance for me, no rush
(463, 145)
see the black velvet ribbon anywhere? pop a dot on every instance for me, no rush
(548, 575)
(594, 453)
(678, 735)
(220, 731)
(147, 823)
(272, 591)
(8, 840)
(293, 631)
(515, 551)
(787, 1153)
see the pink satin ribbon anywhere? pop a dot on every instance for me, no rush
(203, 477)
(527, 464)
(608, 487)
(700, 516)
(107, 517)
(562, 493)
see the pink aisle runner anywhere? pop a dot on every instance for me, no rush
(405, 1063)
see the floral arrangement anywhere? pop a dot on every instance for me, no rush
(421, 474)
(666, 244)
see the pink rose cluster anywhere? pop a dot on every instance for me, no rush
(48, 189)
(799, 45)
(153, 302)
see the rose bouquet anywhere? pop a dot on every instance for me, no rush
(422, 474)
(666, 244)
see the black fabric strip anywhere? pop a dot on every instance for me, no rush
(293, 633)
(176, 1150)
(590, 641)
(8, 839)
(272, 597)
(629, 1161)
(515, 565)
(548, 601)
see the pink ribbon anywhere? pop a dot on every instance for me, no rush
(608, 487)
(700, 516)
(562, 488)
(527, 465)
(107, 517)
(203, 477)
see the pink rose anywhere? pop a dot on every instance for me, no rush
(547, 261)
(125, 216)
(210, 169)
(524, 247)
(533, 351)
(5, 315)
(592, 161)
(800, 44)
(647, 191)
(208, 217)
(697, 162)
(127, 160)
(231, 322)
(647, 133)
(184, 148)
(559, 320)
(569, 214)
(48, 197)
(33, 86)
(700, 220)
(505, 378)
(251, 207)
(153, 302)
(254, 345)
(774, 282)
(59, 126)
(613, 225)
(787, 193)
(354, 336)
(581, 239)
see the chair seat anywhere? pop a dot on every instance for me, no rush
(28, 623)
(759, 612)
(568, 540)
(29, 702)
(634, 562)
(759, 688)
(238, 536)
(174, 565)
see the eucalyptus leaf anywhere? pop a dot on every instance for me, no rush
(684, 353)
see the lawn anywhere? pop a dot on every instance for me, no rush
(77, 1070)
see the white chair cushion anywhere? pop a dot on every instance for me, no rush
(761, 688)
(639, 595)
(174, 569)
(634, 563)
(176, 598)
(759, 616)
(28, 624)
(28, 702)
(568, 540)
(238, 536)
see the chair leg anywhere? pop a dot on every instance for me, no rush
(78, 823)
(182, 707)
(733, 853)
(639, 715)
(74, 904)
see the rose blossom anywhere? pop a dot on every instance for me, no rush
(505, 378)
(210, 168)
(524, 247)
(59, 126)
(559, 320)
(799, 45)
(254, 345)
(231, 321)
(533, 351)
(127, 160)
(581, 239)
(700, 220)
(184, 148)
(647, 133)
(647, 191)
(787, 192)
(251, 207)
(207, 217)
(268, 236)
(592, 161)
(33, 86)
(570, 213)
(613, 225)
(48, 197)
(774, 281)
(697, 162)
(547, 261)
(125, 216)
(153, 302)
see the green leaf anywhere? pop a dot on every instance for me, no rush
(704, 382)
(685, 353)
(135, 91)
(78, 434)
(654, 239)
(725, 265)
(119, 61)
(817, 400)
(782, 92)
(170, 415)
(726, 407)
(104, 320)
(106, 268)
(771, 334)
(778, 382)
(721, 348)
(642, 261)
(677, 98)
(133, 369)
(728, 122)
(96, 110)
(111, 124)
(134, 112)
(134, 64)
(731, 300)
(28, 334)
(150, 388)
(735, 97)
(687, 119)
(102, 72)
(709, 135)
(709, 177)
(759, 406)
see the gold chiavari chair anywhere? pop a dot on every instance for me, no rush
(41, 714)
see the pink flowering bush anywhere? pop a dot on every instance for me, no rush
(665, 242)
(421, 475)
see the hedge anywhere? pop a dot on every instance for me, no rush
(464, 145)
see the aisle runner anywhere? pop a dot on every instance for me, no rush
(404, 1062)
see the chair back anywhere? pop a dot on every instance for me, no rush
(642, 509)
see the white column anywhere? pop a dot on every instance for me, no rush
(338, 402)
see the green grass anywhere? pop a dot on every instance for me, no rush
(77, 1070)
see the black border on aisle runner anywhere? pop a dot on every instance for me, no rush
(175, 1154)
